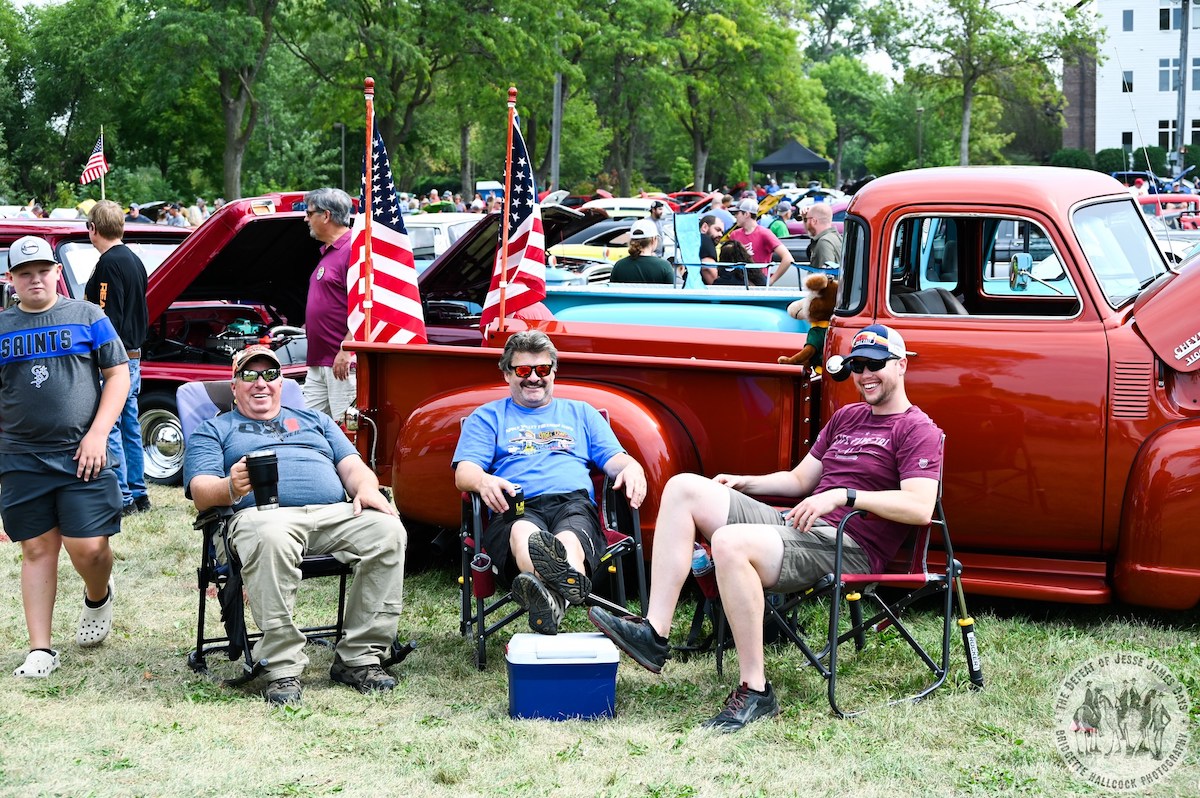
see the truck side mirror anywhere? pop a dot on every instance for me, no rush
(1020, 271)
(10, 296)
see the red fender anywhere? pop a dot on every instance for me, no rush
(1158, 561)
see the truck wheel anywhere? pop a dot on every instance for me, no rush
(162, 438)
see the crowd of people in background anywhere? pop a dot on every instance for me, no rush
(173, 214)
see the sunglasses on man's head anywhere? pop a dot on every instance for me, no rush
(542, 369)
(252, 375)
(861, 364)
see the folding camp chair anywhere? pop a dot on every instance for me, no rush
(483, 613)
(198, 401)
(909, 572)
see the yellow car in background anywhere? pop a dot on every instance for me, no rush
(606, 240)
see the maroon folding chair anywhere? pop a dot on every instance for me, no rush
(484, 612)
(908, 573)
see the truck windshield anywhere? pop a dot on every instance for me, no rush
(1122, 254)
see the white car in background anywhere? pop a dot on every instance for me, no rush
(431, 234)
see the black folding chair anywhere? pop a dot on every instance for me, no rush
(198, 401)
(483, 612)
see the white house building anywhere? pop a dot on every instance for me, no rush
(1131, 98)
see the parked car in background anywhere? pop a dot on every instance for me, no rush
(1154, 183)
(796, 227)
(607, 240)
(431, 234)
(685, 199)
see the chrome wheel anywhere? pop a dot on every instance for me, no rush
(162, 443)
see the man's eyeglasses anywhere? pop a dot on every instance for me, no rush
(542, 369)
(860, 364)
(252, 375)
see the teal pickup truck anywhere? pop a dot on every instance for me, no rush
(454, 286)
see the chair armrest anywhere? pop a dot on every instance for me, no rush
(212, 515)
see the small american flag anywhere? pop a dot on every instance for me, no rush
(96, 165)
(395, 303)
(525, 250)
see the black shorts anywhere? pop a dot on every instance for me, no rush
(555, 512)
(39, 492)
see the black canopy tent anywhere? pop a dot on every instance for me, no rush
(793, 157)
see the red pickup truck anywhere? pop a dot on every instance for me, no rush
(1065, 369)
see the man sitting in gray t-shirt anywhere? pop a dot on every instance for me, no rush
(318, 468)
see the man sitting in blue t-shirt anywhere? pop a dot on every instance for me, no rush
(545, 447)
(318, 468)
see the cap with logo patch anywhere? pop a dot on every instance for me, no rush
(30, 249)
(877, 342)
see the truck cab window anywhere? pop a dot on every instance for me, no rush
(963, 266)
(852, 285)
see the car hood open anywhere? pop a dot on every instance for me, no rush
(1165, 315)
(464, 271)
(248, 251)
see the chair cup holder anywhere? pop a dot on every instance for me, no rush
(483, 580)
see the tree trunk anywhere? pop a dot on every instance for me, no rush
(234, 99)
(464, 157)
(964, 143)
(837, 160)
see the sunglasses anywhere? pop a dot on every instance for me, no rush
(542, 369)
(252, 375)
(859, 365)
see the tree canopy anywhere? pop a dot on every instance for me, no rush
(236, 98)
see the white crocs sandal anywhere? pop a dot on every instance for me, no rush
(95, 624)
(38, 665)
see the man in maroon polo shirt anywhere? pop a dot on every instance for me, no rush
(330, 385)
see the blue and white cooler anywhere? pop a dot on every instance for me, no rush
(557, 677)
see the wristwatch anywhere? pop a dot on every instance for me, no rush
(851, 495)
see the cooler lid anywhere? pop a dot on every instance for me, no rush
(585, 648)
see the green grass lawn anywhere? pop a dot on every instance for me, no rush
(130, 718)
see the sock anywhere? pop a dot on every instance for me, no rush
(91, 605)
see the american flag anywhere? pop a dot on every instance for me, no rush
(96, 165)
(525, 250)
(396, 315)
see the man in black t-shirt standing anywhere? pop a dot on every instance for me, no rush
(118, 286)
(712, 230)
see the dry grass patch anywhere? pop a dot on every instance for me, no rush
(131, 719)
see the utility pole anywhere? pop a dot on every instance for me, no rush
(342, 125)
(556, 132)
(920, 132)
(1181, 140)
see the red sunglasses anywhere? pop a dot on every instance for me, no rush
(542, 369)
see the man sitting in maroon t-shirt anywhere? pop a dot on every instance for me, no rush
(882, 455)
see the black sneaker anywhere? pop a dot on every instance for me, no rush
(744, 706)
(283, 691)
(546, 608)
(549, 557)
(363, 678)
(142, 504)
(635, 636)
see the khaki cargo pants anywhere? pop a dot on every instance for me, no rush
(270, 545)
